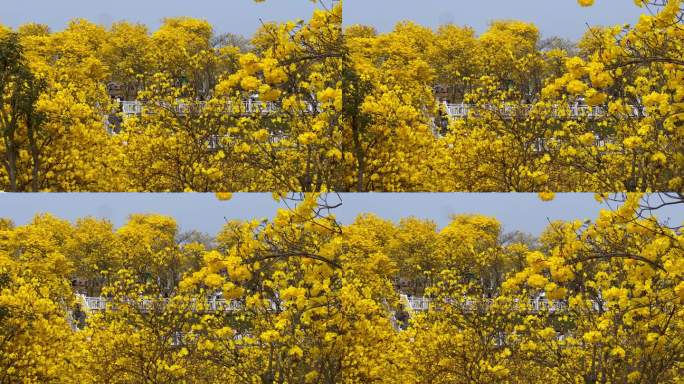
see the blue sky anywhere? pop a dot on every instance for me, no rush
(554, 17)
(235, 16)
(203, 212)
(564, 18)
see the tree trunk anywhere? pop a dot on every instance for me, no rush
(360, 156)
(11, 164)
(35, 156)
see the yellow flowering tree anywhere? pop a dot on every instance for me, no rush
(37, 343)
(286, 286)
(302, 299)
(57, 142)
(634, 76)
(290, 135)
(388, 102)
(621, 279)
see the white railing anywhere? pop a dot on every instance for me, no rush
(94, 303)
(98, 303)
(420, 304)
(248, 106)
(416, 303)
(573, 111)
(131, 107)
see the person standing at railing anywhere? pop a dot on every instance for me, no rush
(402, 316)
(442, 118)
(79, 316)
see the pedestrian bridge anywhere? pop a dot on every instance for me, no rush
(100, 304)
(411, 303)
(534, 305)
(518, 111)
(246, 107)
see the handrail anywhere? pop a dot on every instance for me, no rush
(421, 304)
(99, 303)
(574, 111)
(247, 106)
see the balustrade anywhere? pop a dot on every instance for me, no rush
(510, 111)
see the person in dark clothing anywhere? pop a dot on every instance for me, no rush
(402, 317)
